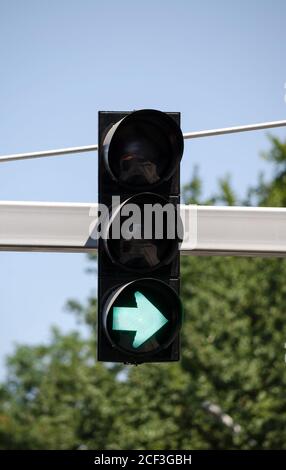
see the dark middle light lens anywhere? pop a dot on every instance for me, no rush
(145, 254)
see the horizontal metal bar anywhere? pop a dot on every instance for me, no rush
(42, 226)
(237, 231)
(208, 230)
(48, 153)
(188, 135)
(235, 129)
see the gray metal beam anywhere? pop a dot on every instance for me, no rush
(208, 230)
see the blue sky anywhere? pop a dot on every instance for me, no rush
(220, 63)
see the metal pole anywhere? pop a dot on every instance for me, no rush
(188, 135)
(48, 153)
(232, 130)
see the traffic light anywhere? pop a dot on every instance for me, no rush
(139, 308)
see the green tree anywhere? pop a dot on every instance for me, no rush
(227, 392)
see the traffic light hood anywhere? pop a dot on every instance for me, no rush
(143, 149)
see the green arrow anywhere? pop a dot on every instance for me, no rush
(145, 319)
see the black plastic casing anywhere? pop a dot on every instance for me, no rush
(111, 276)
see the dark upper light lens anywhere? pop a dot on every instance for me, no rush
(145, 149)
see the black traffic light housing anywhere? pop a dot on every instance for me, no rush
(139, 160)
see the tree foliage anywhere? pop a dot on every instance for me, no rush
(227, 392)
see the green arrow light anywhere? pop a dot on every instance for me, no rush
(145, 319)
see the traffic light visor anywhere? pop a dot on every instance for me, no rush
(143, 149)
